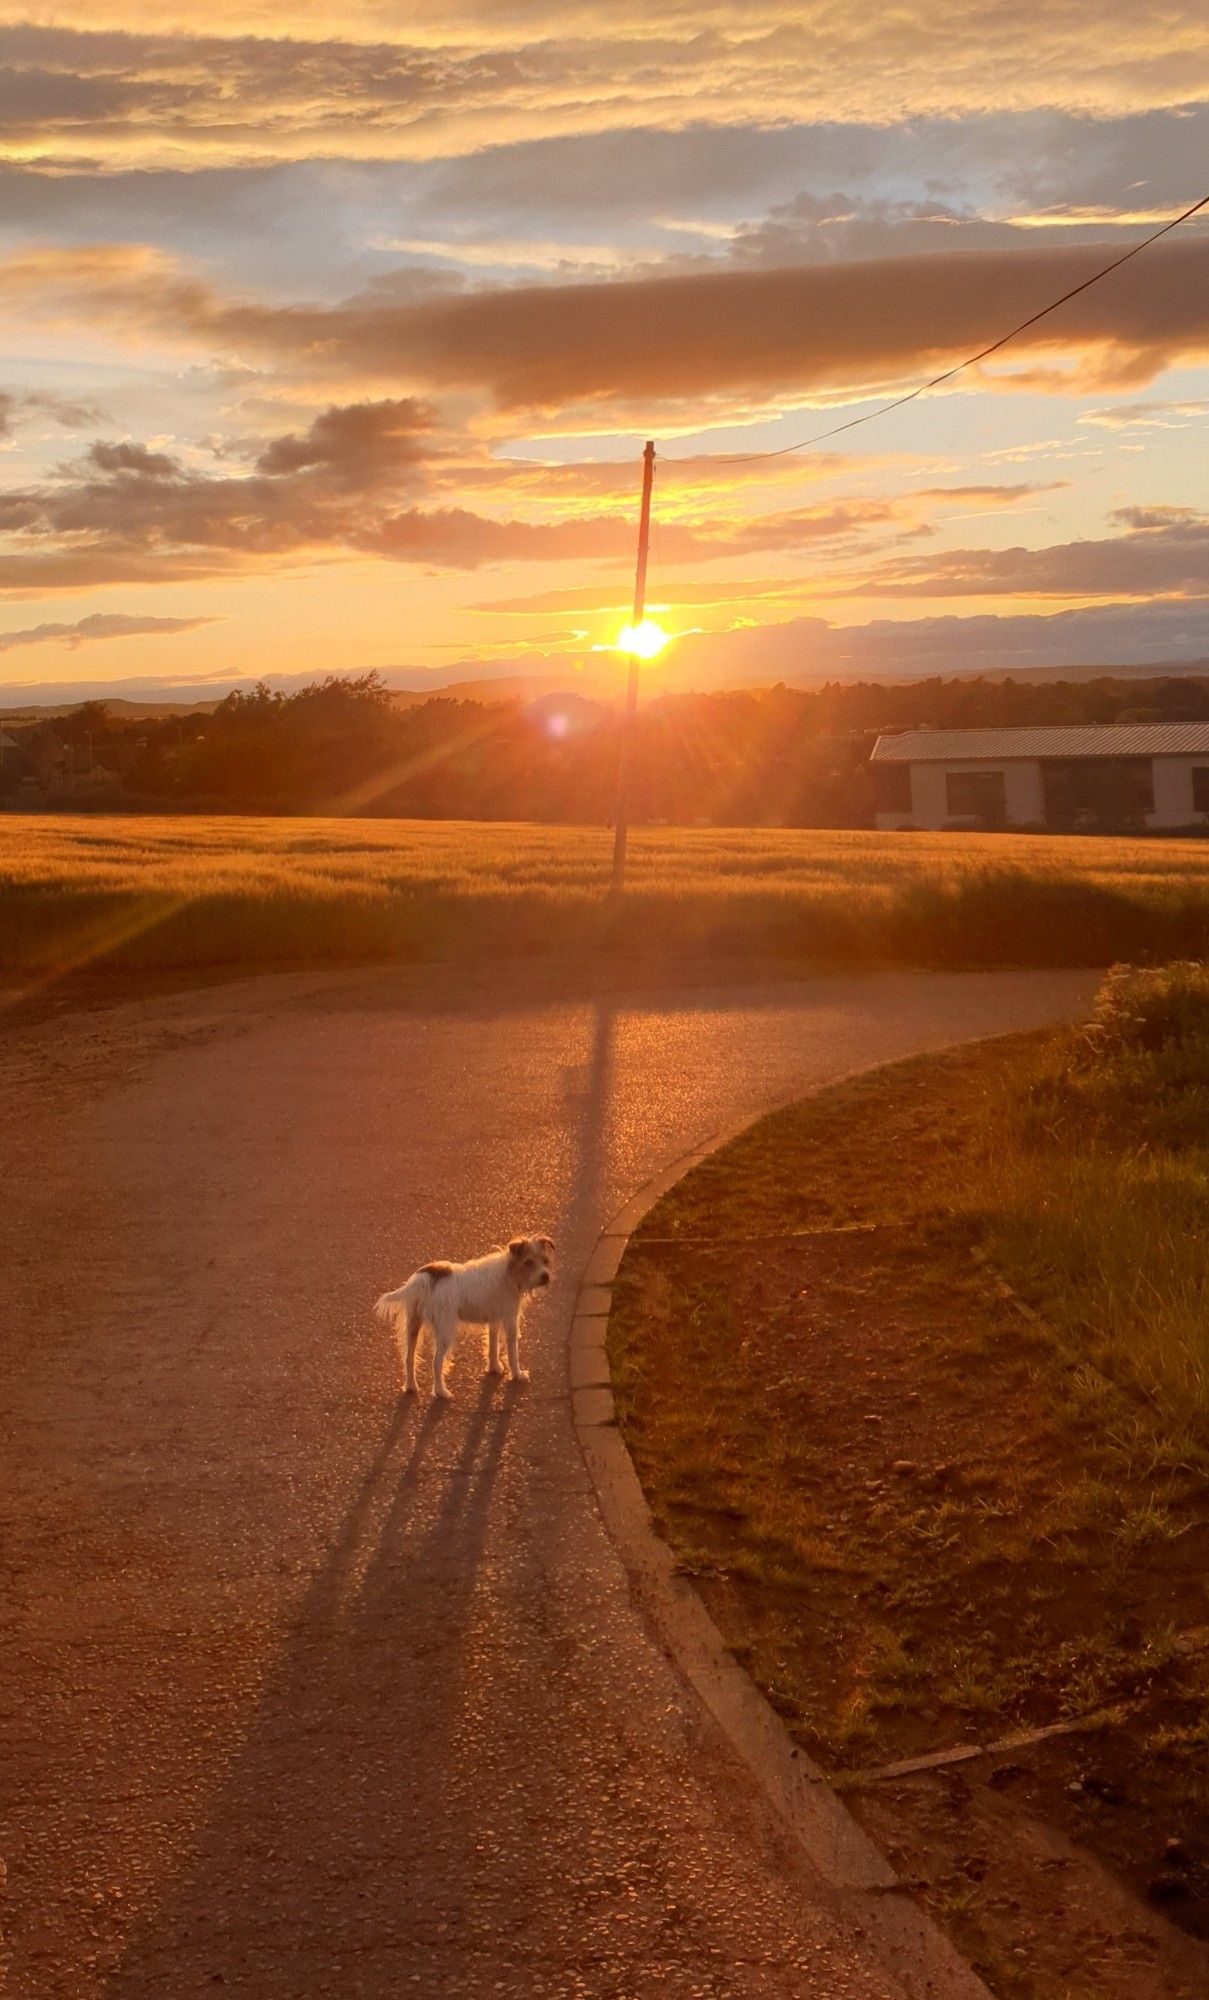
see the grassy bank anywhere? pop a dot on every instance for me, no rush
(942, 1476)
(1095, 1192)
(207, 892)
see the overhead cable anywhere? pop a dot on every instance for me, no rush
(851, 423)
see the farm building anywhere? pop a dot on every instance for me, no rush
(1104, 775)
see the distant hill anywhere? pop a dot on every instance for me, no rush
(1150, 670)
(606, 685)
(118, 705)
(507, 687)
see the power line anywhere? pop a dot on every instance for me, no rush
(820, 437)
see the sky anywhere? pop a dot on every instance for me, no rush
(331, 338)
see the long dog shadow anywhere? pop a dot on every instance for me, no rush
(300, 1869)
(308, 1875)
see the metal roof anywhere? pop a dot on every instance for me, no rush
(1096, 739)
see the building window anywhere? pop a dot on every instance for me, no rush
(1095, 792)
(892, 787)
(1200, 788)
(976, 795)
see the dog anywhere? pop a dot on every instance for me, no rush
(491, 1291)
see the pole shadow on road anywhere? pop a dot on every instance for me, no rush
(590, 1106)
(305, 1870)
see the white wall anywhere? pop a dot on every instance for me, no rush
(1173, 792)
(1023, 796)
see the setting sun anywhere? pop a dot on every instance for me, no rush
(645, 641)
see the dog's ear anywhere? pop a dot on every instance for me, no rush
(547, 1244)
(517, 1247)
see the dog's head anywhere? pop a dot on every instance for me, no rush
(529, 1260)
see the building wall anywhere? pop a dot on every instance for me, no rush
(1025, 797)
(1173, 792)
(929, 803)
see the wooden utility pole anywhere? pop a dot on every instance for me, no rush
(622, 818)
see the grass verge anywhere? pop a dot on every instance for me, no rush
(145, 893)
(927, 1518)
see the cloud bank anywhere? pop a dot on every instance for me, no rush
(142, 79)
(655, 344)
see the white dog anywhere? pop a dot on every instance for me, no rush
(489, 1292)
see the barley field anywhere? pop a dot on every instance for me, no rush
(181, 892)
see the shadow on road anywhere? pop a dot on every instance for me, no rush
(331, 1857)
(306, 1857)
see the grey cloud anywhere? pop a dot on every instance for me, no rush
(453, 538)
(336, 486)
(756, 334)
(795, 194)
(68, 79)
(1146, 416)
(32, 101)
(72, 416)
(301, 481)
(1164, 553)
(133, 458)
(842, 227)
(100, 625)
(600, 67)
(456, 539)
(1112, 638)
(1109, 636)
(349, 482)
(30, 568)
(857, 325)
(362, 443)
(1163, 518)
(125, 513)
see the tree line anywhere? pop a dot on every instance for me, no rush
(347, 745)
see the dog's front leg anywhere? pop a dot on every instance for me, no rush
(495, 1364)
(518, 1373)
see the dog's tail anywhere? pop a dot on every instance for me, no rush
(391, 1308)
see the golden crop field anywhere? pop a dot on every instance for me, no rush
(178, 892)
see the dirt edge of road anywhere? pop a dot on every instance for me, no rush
(853, 1869)
(1158, 1961)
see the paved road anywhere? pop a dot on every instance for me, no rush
(307, 1691)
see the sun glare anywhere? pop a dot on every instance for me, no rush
(647, 640)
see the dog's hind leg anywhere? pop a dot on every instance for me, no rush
(495, 1363)
(415, 1320)
(440, 1354)
(444, 1331)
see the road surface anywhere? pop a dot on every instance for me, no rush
(306, 1690)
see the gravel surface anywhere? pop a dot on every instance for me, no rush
(306, 1690)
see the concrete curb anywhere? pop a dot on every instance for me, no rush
(900, 1935)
